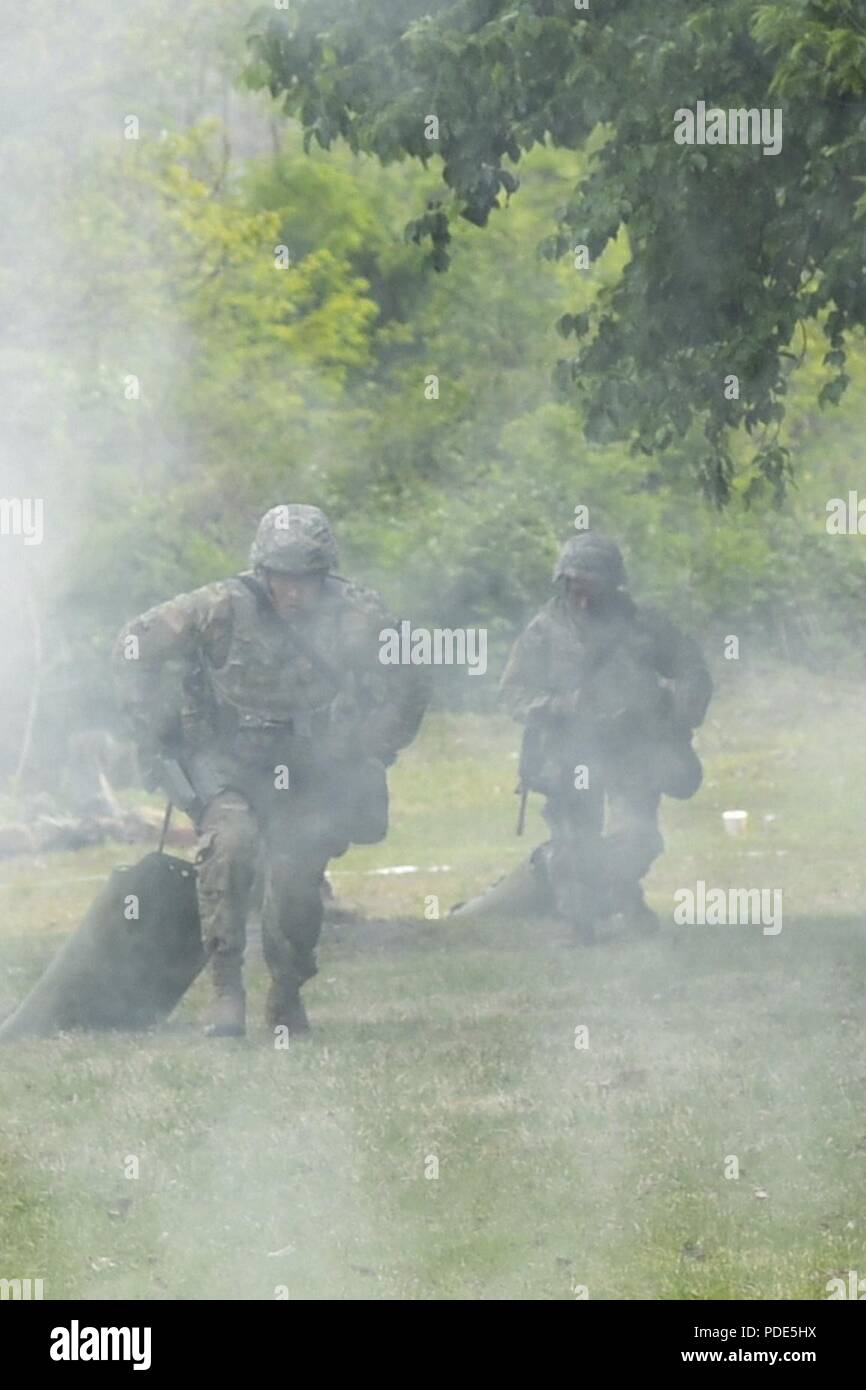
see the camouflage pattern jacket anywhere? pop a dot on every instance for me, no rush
(607, 682)
(218, 669)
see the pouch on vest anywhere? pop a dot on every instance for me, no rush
(261, 742)
(365, 803)
(675, 768)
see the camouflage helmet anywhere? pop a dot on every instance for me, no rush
(294, 539)
(594, 558)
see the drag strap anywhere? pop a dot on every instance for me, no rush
(166, 821)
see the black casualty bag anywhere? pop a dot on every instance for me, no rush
(132, 959)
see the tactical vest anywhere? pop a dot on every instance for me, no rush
(613, 658)
(269, 701)
(268, 679)
(626, 713)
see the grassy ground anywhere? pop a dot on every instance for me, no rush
(303, 1173)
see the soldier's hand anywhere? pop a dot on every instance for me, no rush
(149, 766)
(685, 717)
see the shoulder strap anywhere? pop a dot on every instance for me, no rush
(304, 646)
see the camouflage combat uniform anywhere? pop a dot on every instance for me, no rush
(610, 694)
(284, 730)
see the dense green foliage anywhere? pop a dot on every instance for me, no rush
(729, 249)
(157, 259)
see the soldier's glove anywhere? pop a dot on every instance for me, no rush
(685, 717)
(379, 753)
(379, 735)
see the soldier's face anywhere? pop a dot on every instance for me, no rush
(293, 594)
(578, 591)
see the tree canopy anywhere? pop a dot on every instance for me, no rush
(205, 320)
(732, 252)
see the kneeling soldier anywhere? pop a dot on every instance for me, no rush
(610, 695)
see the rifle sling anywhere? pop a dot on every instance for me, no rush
(302, 644)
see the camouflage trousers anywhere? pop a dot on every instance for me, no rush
(290, 839)
(604, 838)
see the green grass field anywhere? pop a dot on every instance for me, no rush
(303, 1173)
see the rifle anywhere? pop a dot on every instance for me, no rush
(180, 790)
(530, 746)
(532, 756)
(523, 793)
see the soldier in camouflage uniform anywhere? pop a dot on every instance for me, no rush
(266, 692)
(610, 695)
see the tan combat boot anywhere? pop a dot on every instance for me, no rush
(284, 1008)
(228, 1012)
